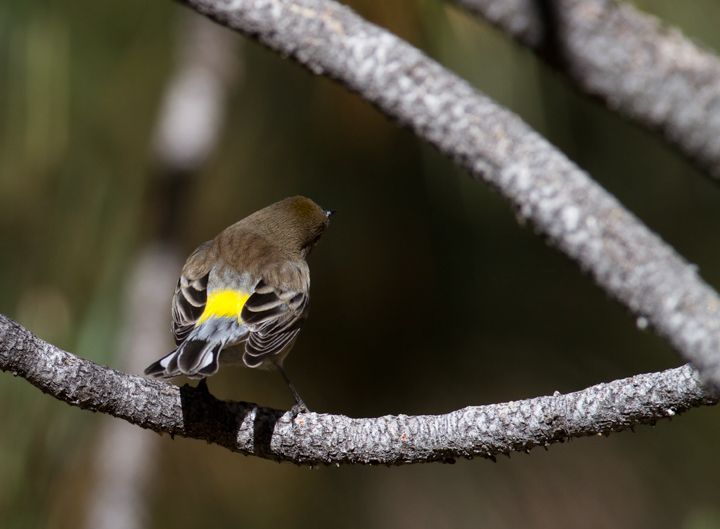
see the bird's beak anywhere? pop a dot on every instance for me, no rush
(330, 212)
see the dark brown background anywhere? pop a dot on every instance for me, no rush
(427, 295)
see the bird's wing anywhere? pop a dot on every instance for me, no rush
(274, 318)
(190, 296)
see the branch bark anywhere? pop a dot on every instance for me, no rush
(640, 67)
(315, 438)
(628, 260)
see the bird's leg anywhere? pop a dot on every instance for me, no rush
(300, 406)
(202, 386)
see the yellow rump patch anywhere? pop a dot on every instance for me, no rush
(224, 303)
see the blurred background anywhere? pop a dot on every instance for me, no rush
(427, 294)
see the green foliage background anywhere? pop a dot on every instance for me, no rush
(427, 294)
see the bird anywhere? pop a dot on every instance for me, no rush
(243, 297)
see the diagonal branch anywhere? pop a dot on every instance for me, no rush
(630, 262)
(637, 65)
(315, 438)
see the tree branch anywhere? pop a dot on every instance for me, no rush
(640, 67)
(630, 262)
(316, 438)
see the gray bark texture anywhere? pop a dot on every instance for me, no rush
(640, 67)
(629, 261)
(315, 438)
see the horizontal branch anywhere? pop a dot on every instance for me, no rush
(639, 66)
(630, 262)
(315, 438)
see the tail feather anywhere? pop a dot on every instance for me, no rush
(194, 358)
(211, 367)
(166, 367)
(198, 355)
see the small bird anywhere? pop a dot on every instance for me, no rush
(244, 296)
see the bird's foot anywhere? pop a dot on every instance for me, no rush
(299, 408)
(202, 386)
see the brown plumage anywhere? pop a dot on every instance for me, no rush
(244, 296)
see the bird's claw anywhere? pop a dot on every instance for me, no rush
(299, 408)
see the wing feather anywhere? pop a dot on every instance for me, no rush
(190, 296)
(274, 319)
